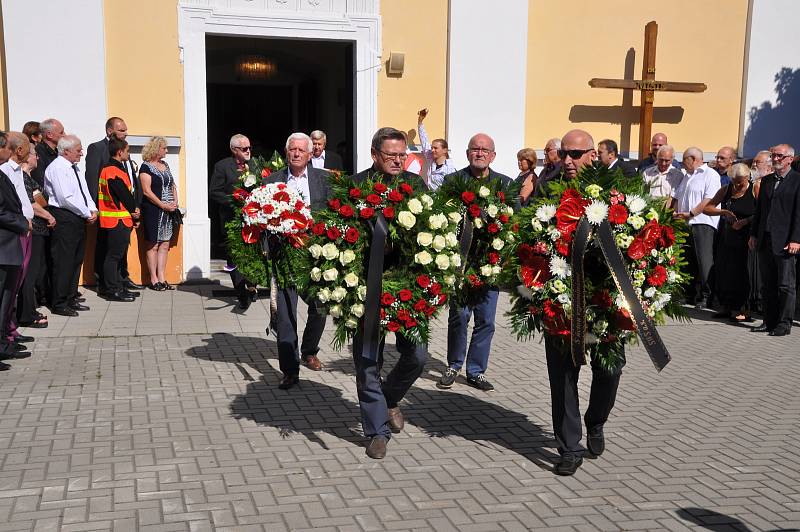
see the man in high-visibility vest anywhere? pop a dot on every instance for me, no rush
(117, 214)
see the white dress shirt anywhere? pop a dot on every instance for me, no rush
(299, 184)
(662, 183)
(694, 188)
(434, 173)
(65, 185)
(14, 173)
(318, 162)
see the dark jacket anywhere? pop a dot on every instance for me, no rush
(12, 223)
(778, 211)
(317, 185)
(46, 156)
(505, 181)
(97, 157)
(628, 170)
(333, 161)
(221, 182)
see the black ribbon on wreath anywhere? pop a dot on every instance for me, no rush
(465, 240)
(372, 300)
(273, 284)
(645, 327)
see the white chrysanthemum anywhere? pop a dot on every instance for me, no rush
(635, 203)
(545, 213)
(596, 212)
(559, 267)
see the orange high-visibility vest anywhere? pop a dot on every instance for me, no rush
(109, 213)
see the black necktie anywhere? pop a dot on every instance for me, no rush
(78, 177)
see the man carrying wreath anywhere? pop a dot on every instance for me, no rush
(378, 399)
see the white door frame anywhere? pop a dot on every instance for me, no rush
(358, 22)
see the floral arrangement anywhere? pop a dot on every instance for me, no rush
(484, 204)
(648, 237)
(420, 267)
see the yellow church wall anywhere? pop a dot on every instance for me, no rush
(697, 41)
(419, 29)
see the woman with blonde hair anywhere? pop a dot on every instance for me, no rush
(160, 212)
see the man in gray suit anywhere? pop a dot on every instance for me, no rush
(312, 183)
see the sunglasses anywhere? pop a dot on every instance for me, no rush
(242, 148)
(573, 154)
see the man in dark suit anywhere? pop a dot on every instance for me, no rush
(97, 157)
(312, 183)
(322, 158)
(608, 153)
(378, 398)
(46, 150)
(775, 233)
(220, 187)
(13, 224)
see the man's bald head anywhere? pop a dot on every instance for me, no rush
(480, 154)
(725, 158)
(577, 151)
(658, 140)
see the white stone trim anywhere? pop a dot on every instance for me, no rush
(340, 20)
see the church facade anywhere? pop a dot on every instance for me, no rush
(517, 70)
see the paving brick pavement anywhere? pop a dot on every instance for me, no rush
(164, 414)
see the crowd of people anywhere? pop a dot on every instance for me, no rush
(50, 207)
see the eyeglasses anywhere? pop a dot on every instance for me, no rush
(573, 154)
(480, 150)
(395, 156)
(242, 148)
(779, 156)
(664, 160)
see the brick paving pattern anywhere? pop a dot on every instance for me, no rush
(165, 414)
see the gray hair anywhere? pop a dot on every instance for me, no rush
(763, 152)
(789, 149)
(739, 170)
(318, 134)
(556, 142)
(67, 142)
(300, 136)
(693, 152)
(48, 125)
(236, 140)
(665, 148)
(16, 139)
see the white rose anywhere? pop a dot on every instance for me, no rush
(316, 274)
(450, 280)
(455, 260)
(454, 217)
(315, 250)
(424, 239)
(492, 210)
(498, 244)
(324, 295)
(329, 251)
(442, 261)
(347, 256)
(452, 239)
(415, 206)
(406, 219)
(478, 223)
(351, 279)
(362, 292)
(423, 257)
(427, 201)
(434, 222)
(357, 310)
(496, 269)
(484, 192)
(250, 180)
(338, 293)
(486, 270)
(351, 323)
(335, 311)
(331, 274)
(439, 243)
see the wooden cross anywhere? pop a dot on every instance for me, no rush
(647, 85)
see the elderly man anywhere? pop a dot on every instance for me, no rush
(552, 165)
(378, 398)
(322, 158)
(52, 131)
(313, 185)
(663, 178)
(762, 165)
(775, 233)
(608, 153)
(220, 187)
(696, 190)
(658, 140)
(480, 154)
(725, 158)
(73, 208)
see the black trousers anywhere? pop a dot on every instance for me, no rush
(8, 283)
(564, 396)
(100, 253)
(116, 240)
(778, 285)
(26, 300)
(376, 396)
(286, 323)
(67, 243)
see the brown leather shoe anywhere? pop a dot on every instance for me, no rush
(312, 362)
(377, 447)
(396, 419)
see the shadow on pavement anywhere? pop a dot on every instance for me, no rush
(711, 520)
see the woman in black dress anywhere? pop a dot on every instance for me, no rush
(737, 204)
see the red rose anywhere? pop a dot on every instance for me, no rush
(355, 193)
(268, 209)
(394, 196)
(405, 188)
(334, 233)
(346, 211)
(373, 199)
(403, 314)
(388, 212)
(504, 218)
(411, 323)
(351, 235)
(266, 172)
(367, 213)
(442, 299)
(423, 281)
(241, 195)
(658, 276)
(555, 319)
(387, 299)
(501, 195)
(467, 197)
(494, 257)
(380, 188)
(622, 319)
(430, 310)
(667, 237)
(436, 289)
(474, 280)
(601, 299)
(493, 228)
(383, 314)
(637, 249)
(334, 204)
(420, 305)
(474, 210)
(617, 214)
(318, 229)
(405, 295)
(393, 326)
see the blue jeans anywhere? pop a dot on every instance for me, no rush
(482, 334)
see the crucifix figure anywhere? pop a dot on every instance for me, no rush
(647, 85)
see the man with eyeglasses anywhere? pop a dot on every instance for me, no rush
(223, 179)
(480, 154)
(658, 140)
(663, 178)
(725, 158)
(378, 398)
(775, 233)
(552, 165)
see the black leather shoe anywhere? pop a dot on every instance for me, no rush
(129, 293)
(596, 442)
(21, 339)
(130, 285)
(780, 331)
(244, 299)
(761, 328)
(377, 447)
(66, 311)
(288, 382)
(119, 296)
(78, 306)
(78, 299)
(568, 465)
(15, 356)
(4, 366)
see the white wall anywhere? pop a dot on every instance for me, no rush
(774, 44)
(55, 64)
(487, 78)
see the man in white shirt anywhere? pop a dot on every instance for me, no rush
(663, 178)
(72, 206)
(697, 188)
(320, 157)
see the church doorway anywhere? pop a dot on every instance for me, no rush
(267, 88)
